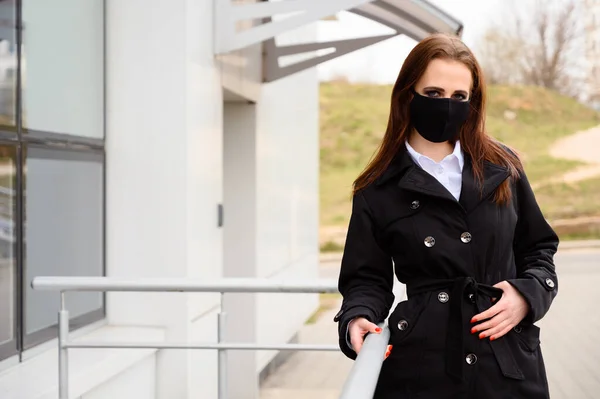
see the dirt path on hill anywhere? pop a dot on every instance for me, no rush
(582, 146)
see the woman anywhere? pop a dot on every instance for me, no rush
(450, 211)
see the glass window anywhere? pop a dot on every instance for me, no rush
(63, 231)
(51, 190)
(8, 62)
(63, 67)
(7, 247)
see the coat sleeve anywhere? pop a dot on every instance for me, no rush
(366, 274)
(535, 244)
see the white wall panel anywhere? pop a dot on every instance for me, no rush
(138, 382)
(203, 363)
(164, 167)
(288, 206)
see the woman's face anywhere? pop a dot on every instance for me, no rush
(445, 79)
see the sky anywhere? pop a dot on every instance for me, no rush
(381, 62)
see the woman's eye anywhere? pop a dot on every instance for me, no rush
(432, 93)
(460, 97)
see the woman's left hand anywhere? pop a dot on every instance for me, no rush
(503, 316)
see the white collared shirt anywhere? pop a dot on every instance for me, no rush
(448, 171)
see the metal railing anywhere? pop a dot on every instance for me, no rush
(359, 385)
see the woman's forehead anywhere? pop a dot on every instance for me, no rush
(447, 74)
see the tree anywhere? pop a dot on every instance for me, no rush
(542, 46)
(500, 57)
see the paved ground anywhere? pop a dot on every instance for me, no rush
(570, 332)
(570, 335)
(316, 375)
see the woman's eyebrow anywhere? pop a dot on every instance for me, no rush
(434, 88)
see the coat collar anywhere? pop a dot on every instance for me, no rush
(413, 178)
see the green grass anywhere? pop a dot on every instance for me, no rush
(332, 246)
(543, 117)
(7, 181)
(353, 120)
(326, 302)
(566, 201)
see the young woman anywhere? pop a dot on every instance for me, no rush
(449, 210)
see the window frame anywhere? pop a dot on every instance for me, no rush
(22, 138)
(11, 348)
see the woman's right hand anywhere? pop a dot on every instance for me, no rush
(358, 328)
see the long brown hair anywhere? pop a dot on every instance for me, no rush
(473, 138)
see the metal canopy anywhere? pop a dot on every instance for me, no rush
(414, 18)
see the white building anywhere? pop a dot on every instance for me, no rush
(154, 138)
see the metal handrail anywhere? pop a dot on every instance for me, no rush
(363, 376)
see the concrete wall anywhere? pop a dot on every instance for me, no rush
(175, 150)
(164, 157)
(288, 200)
(288, 165)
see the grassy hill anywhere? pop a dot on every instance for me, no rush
(354, 117)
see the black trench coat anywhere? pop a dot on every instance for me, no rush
(448, 253)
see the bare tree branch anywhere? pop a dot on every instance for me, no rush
(541, 47)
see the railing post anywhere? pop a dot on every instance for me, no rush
(222, 360)
(63, 360)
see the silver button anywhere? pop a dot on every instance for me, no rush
(443, 297)
(429, 241)
(471, 359)
(549, 281)
(466, 237)
(415, 204)
(402, 325)
(518, 329)
(472, 298)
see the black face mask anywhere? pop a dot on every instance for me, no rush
(438, 119)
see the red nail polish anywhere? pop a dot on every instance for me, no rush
(492, 338)
(378, 330)
(473, 320)
(481, 336)
(387, 354)
(473, 330)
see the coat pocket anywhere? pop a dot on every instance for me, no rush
(405, 319)
(528, 337)
(401, 371)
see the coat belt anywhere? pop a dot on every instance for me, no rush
(464, 292)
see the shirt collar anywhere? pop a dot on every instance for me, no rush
(416, 156)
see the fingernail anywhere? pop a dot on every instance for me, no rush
(378, 330)
(389, 348)
(473, 330)
(492, 338)
(481, 336)
(387, 354)
(473, 320)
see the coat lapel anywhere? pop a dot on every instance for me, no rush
(472, 194)
(414, 178)
(417, 180)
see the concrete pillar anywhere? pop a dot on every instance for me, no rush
(240, 240)
(164, 176)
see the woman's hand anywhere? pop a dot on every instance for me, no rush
(357, 329)
(504, 315)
